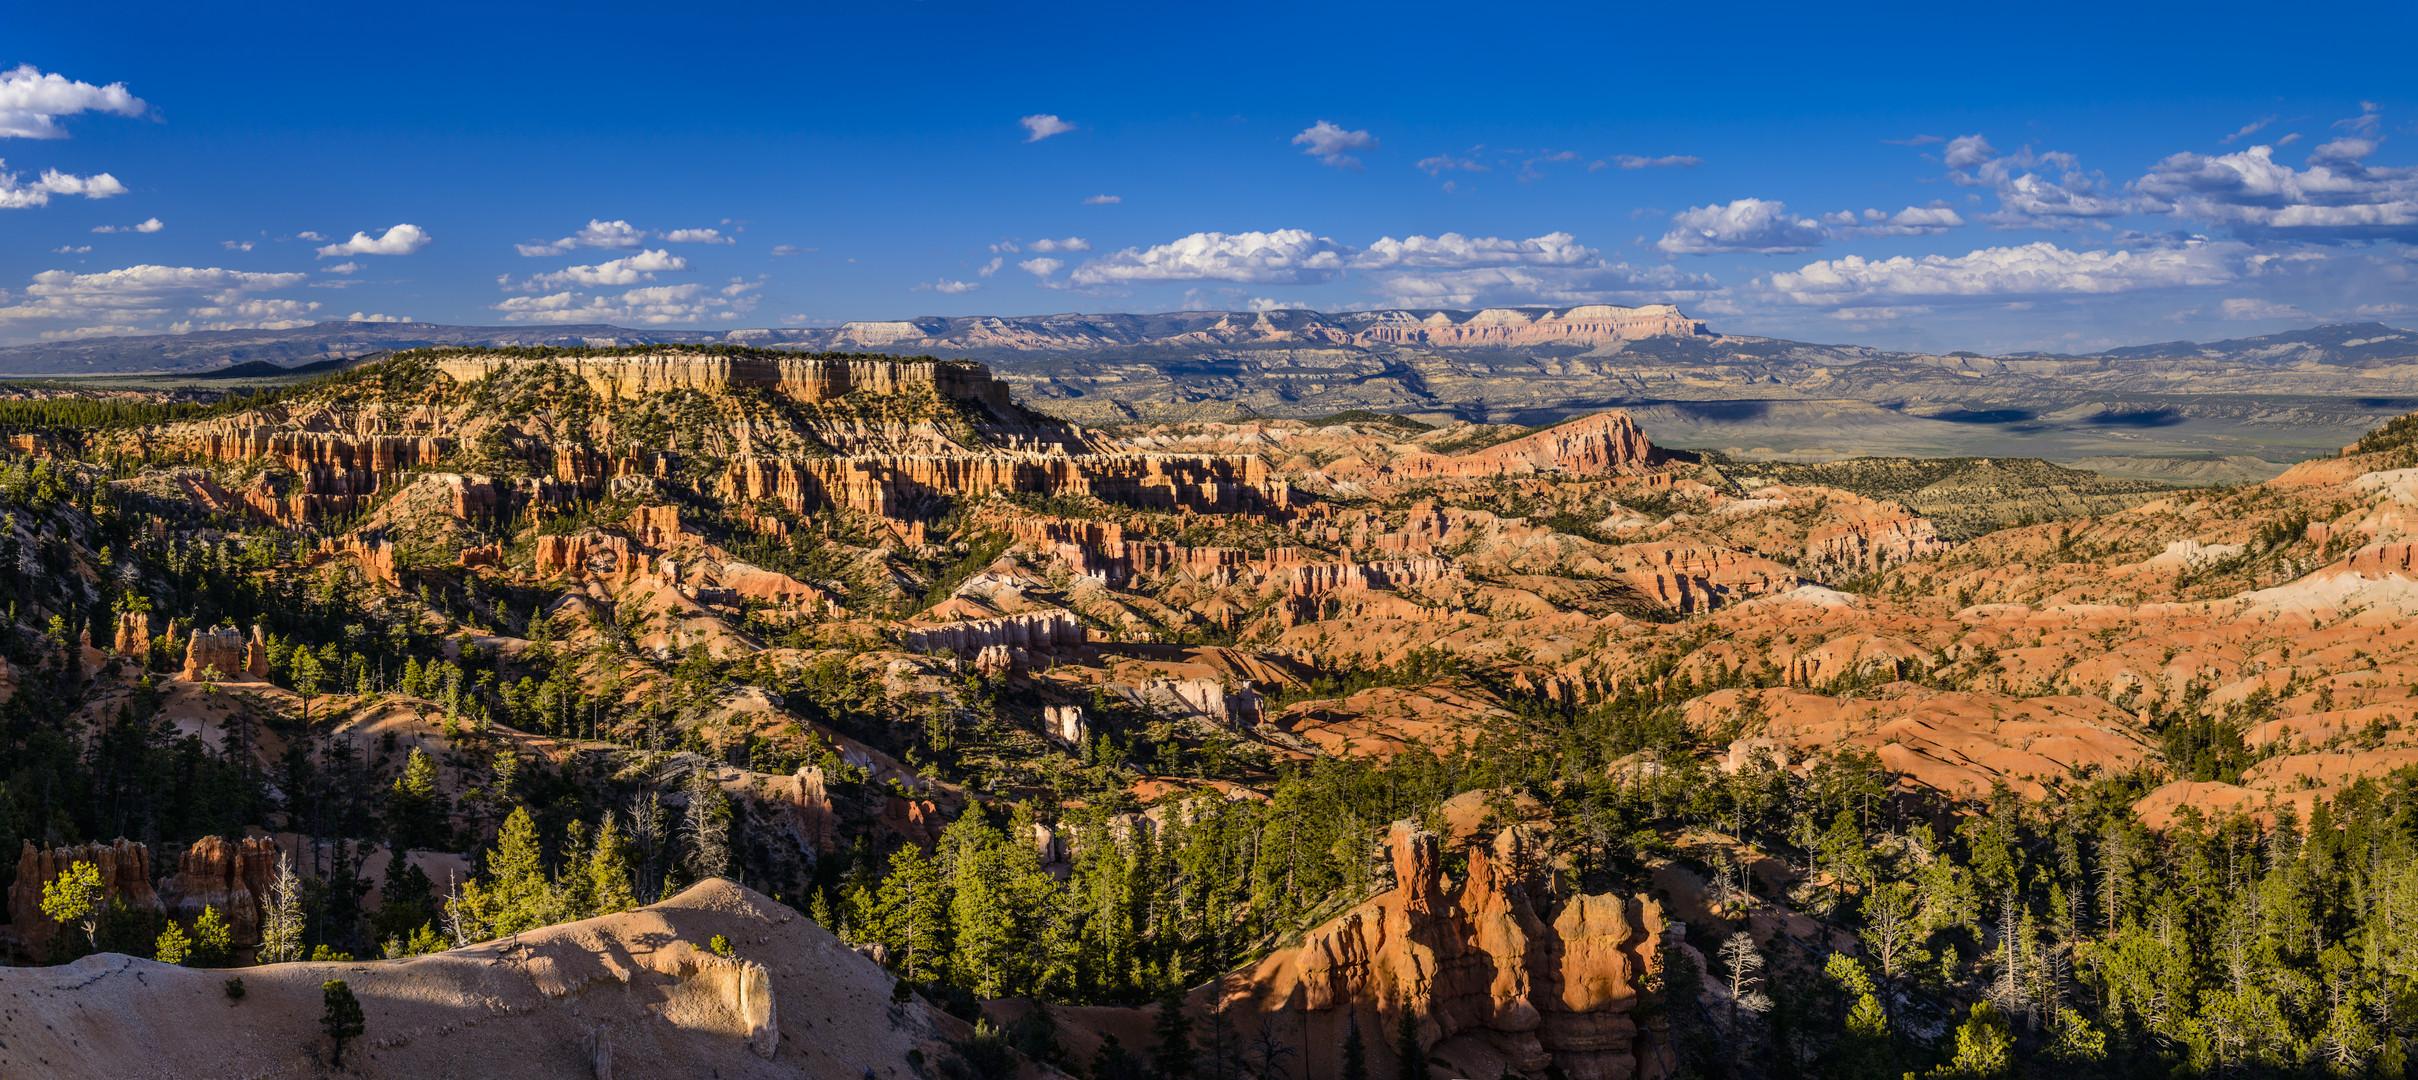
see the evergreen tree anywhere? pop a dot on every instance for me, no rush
(608, 871)
(281, 925)
(1409, 1054)
(174, 947)
(342, 1019)
(521, 896)
(213, 939)
(1355, 1051)
(1172, 1058)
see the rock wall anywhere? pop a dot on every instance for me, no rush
(1865, 546)
(1038, 632)
(885, 485)
(1607, 444)
(219, 648)
(125, 868)
(1590, 325)
(803, 379)
(1503, 976)
(232, 877)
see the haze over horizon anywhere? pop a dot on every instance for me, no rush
(1985, 185)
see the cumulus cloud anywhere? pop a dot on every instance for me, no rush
(1453, 250)
(67, 249)
(123, 300)
(1668, 161)
(149, 225)
(236, 245)
(2047, 190)
(1103, 200)
(1282, 257)
(791, 249)
(693, 236)
(991, 267)
(1071, 243)
(343, 268)
(2038, 269)
(1040, 126)
(15, 194)
(1763, 226)
(31, 102)
(945, 285)
(397, 240)
(1930, 220)
(653, 305)
(252, 314)
(2336, 198)
(598, 234)
(1040, 268)
(366, 317)
(313, 237)
(1333, 145)
(629, 270)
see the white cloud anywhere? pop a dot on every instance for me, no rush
(65, 249)
(1453, 250)
(1103, 200)
(1262, 303)
(654, 305)
(126, 297)
(2029, 196)
(2335, 198)
(149, 225)
(615, 235)
(307, 234)
(2029, 270)
(2248, 129)
(1332, 145)
(2370, 115)
(1444, 163)
(236, 245)
(31, 102)
(1040, 268)
(255, 314)
(16, 194)
(1930, 220)
(945, 285)
(1071, 243)
(1756, 225)
(2243, 308)
(1669, 161)
(628, 270)
(1043, 125)
(696, 236)
(1282, 257)
(791, 249)
(398, 240)
(361, 317)
(991, 267)
(342, 268)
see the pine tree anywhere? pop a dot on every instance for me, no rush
(213, 939)
(1409, 1054)
(523, 898)
(1172, 1058)
(1355, 1051)
(608, 871)
(281, 926)
(173, 946)
(342, 1020)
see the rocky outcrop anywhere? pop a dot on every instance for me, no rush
(1864, 546)
(803, 379)
(218, 650)
(125, 868)
(1066, 724)
(889, 485)
(133, 637)
(1035, 632)
(1502, 328)
(232, 877)
(376, 557)
(1504, 976)
(1606, 444)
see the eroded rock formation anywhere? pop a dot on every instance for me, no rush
(232, 877)
(125, 868)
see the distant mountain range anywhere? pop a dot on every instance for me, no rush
(2281, 395)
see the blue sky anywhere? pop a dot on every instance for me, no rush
(1935, 176)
